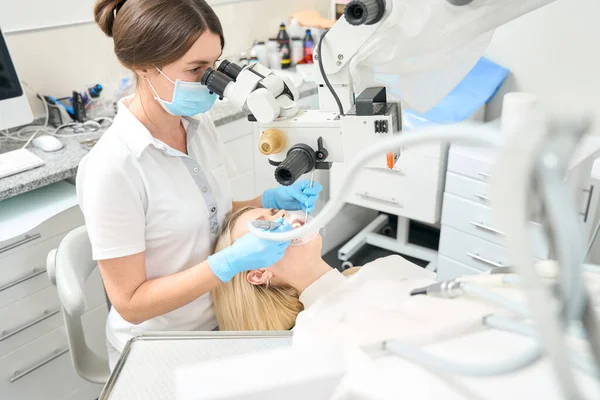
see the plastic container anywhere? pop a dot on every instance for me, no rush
(260, 50)
(253, 58)
(275, 61)
(295, 29)
(297, 50)
(272, 46)
(243, 59)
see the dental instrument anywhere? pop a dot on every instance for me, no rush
(456, 288)
(312, 179)
(266, 225)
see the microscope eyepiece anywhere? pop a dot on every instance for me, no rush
(230, 69)
(215, 81)
(364, 12)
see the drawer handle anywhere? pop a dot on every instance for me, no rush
(484, 175)
(369, 197)
(482, 197)
(47, 314)
(20, 374)
(590, 193)
(33, 274)
(485, 260)
(26, 239)
(486, 228)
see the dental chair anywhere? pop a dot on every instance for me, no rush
(69, 266)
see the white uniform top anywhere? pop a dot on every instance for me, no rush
(138, 194)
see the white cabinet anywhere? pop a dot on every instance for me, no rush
(34, 363)
(42, 368)
(237, 136)
(412, 189)
(470, 239)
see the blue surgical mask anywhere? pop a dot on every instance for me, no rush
(189, 98)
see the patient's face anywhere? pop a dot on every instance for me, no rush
(295, 256)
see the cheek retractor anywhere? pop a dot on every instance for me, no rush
(296, 219)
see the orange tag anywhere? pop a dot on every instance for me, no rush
(390, 160)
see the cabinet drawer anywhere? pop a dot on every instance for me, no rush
(424, 170)
(472, 251)
(449, 269)
(27, 319)
(22, 273)
(433, 150)
(240, 151)
(42, 369)
(467, 188)
(392, 191)
(477, 220)
(420, 172)
(61, 223)
(243, 187)
(35, 315)
(473, 162)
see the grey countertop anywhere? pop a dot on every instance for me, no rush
(62, 164)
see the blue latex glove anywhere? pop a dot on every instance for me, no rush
(247, 253)
(298, 196)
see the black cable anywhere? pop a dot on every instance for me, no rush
(322, 69)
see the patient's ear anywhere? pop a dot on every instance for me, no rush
(259, 276)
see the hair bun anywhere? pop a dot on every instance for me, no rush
(104, 14)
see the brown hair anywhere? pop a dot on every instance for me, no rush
(155, 33)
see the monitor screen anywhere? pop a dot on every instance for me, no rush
(9, 82)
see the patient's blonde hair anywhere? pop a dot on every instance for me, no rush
(242, 306)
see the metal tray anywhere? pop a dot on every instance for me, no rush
(146, 368)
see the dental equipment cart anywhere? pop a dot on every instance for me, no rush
(146, 368)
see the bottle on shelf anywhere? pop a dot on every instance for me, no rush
(283, 40)
(260, 49)
(309, 46)
(273, 54)
(243, 59)
(253, 55)
(297, 50)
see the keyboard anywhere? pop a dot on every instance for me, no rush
(16, 161)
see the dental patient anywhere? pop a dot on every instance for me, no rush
(272, 298)
(301, 291)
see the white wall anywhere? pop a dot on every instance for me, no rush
(57, 61)
(555, 53)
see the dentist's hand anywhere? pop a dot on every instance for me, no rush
(248, 252)
(298, 196)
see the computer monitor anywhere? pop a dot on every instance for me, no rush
(14, 107)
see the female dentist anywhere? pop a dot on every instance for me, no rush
(155, 189)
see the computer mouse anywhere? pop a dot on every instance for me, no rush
(47, 143)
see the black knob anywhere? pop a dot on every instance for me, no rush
(230, 69)
(215, 81)
(364, 12)
(300, 160)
